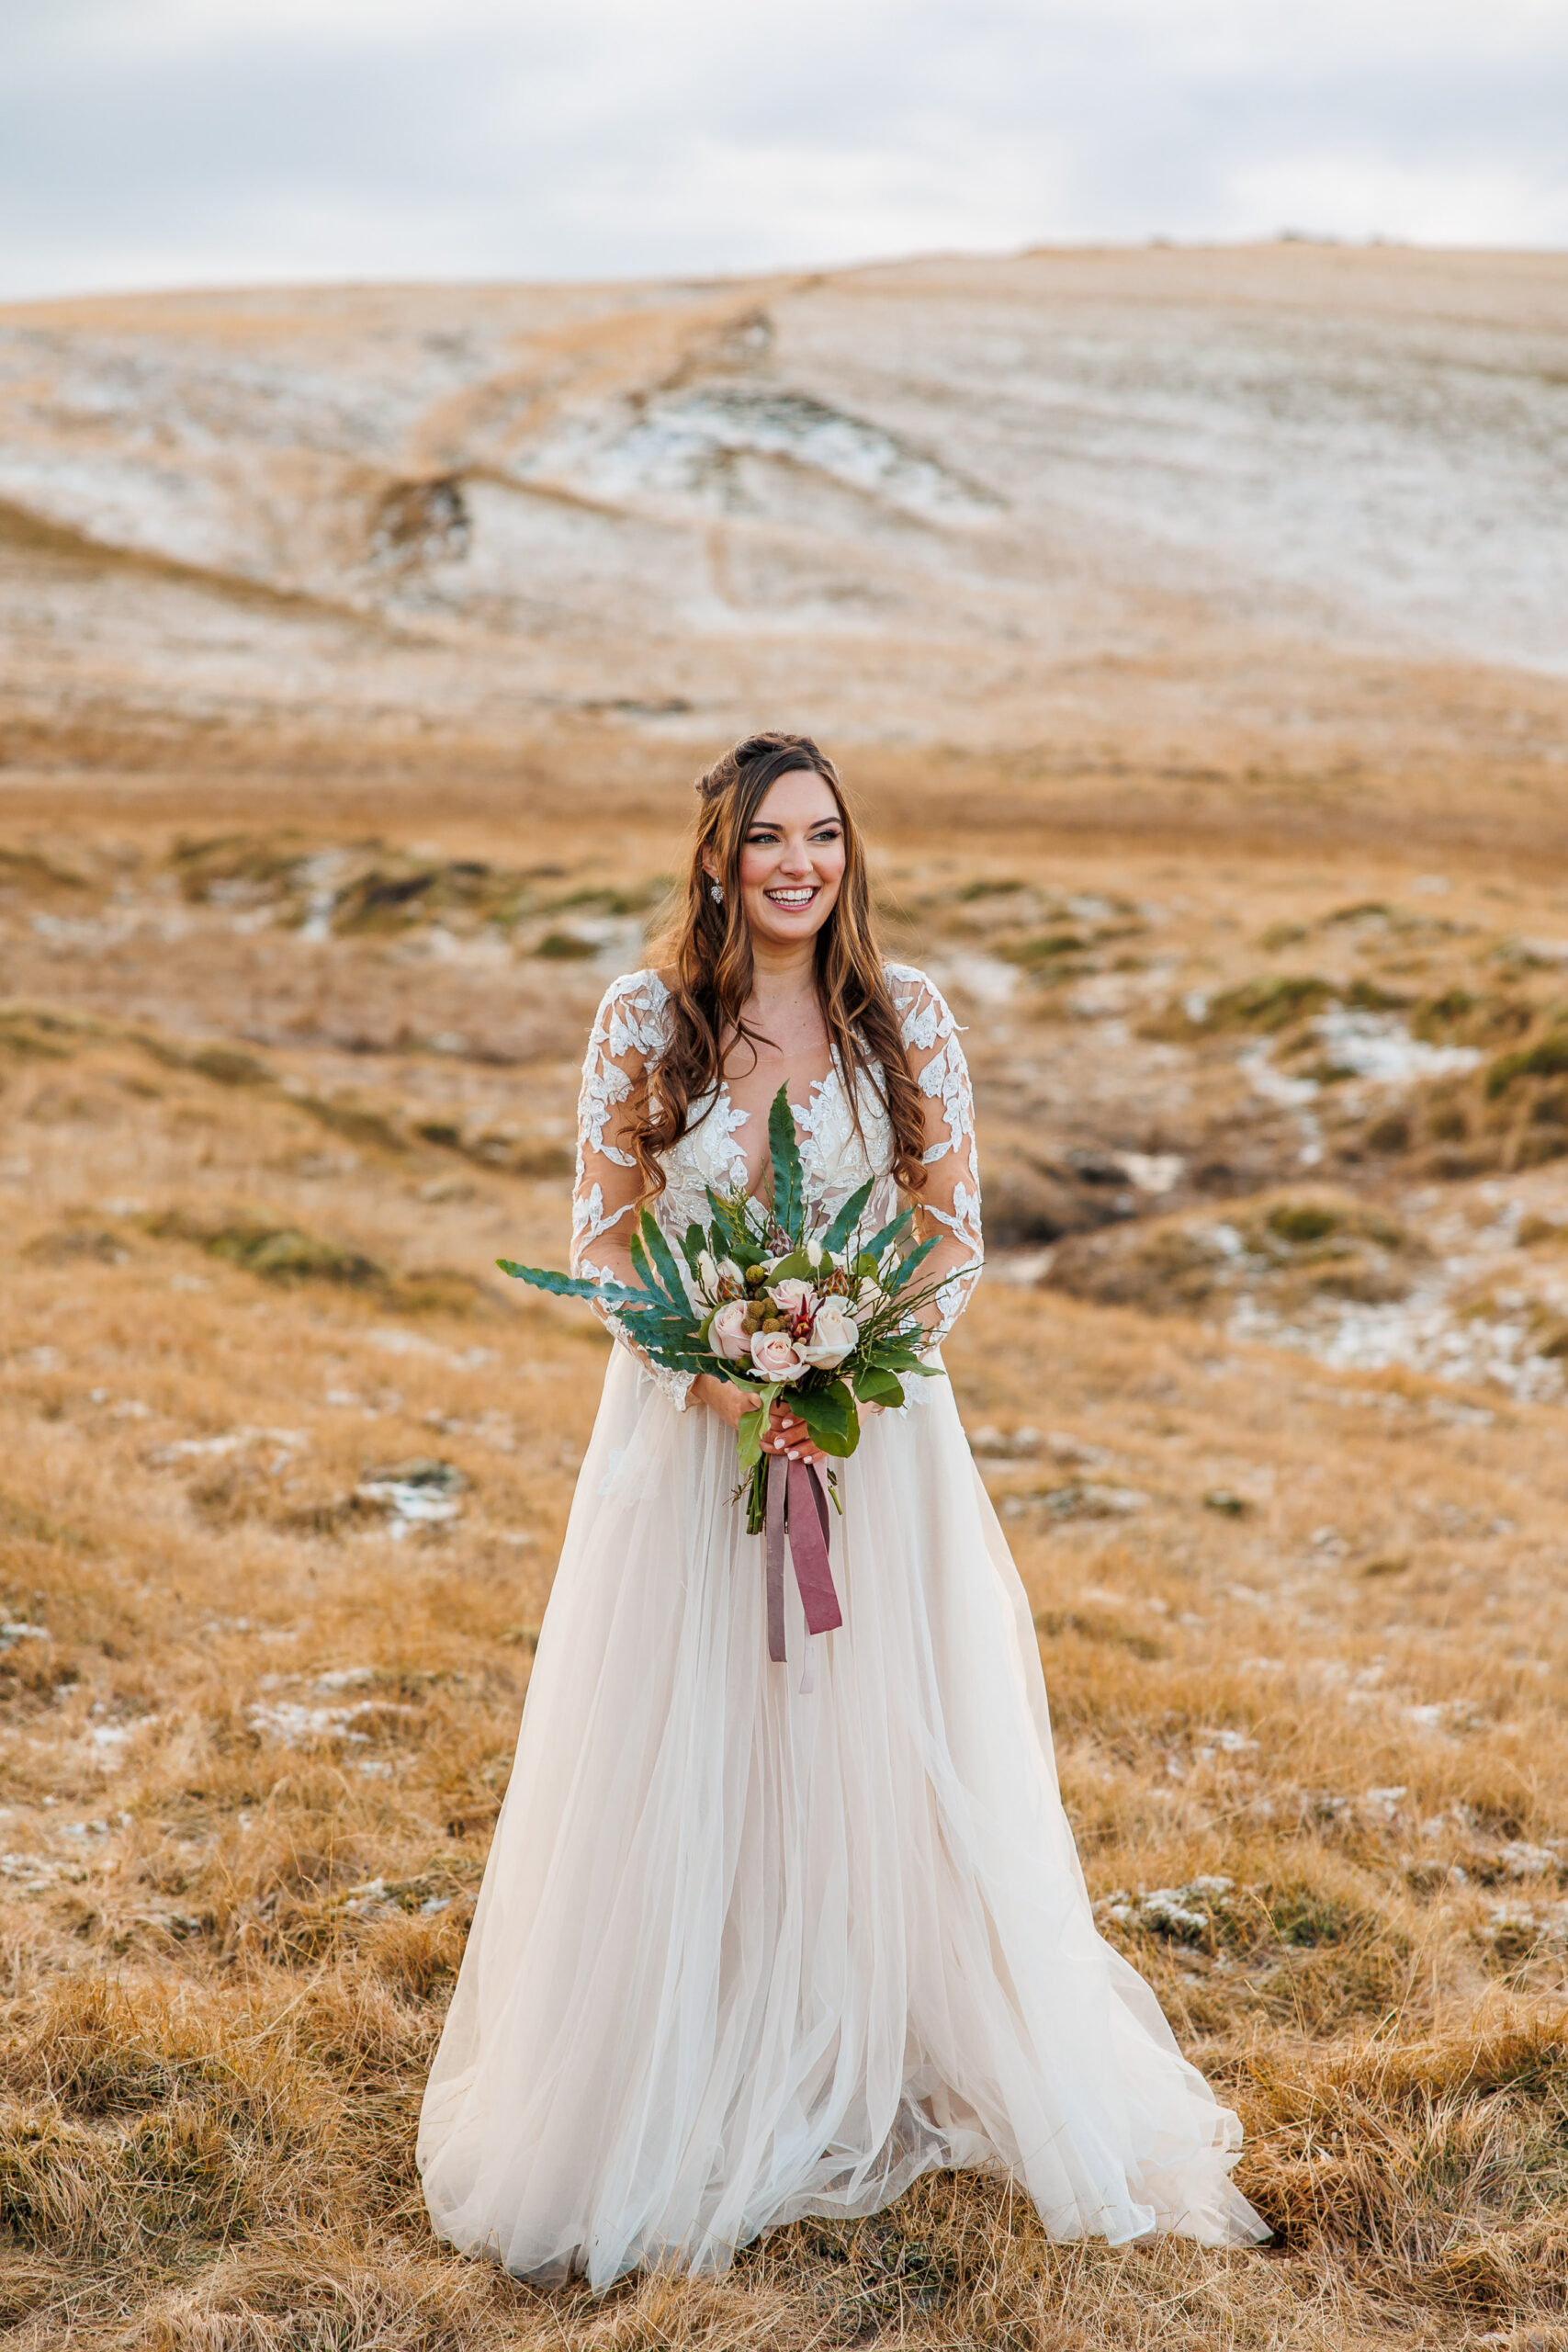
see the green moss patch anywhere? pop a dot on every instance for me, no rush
(1548, 1057)
(1268, 1005)
(279, 1254)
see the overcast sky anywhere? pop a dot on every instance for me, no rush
(148, 142)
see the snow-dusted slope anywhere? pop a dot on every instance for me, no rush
(937, 483)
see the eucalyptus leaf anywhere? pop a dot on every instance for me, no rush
(829, 1414)
(750, 1426)
(657, 1327)
(789, 1181)
(732, 1236)
(570, 1285)
(880, 1243)
(638, 1256)
(663, 1258)
(849, 1217)
(908, 1265)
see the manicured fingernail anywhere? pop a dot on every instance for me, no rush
(792, 1454)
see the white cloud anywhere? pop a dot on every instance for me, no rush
(182, 140)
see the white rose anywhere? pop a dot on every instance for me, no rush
(774, 1356)
(795, 1297)
(834, 1334)
(727, 1336)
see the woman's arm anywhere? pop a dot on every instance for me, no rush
(628, 1035)
(949, 1207)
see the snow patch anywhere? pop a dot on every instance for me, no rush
(687, 444)
(1378, 1046)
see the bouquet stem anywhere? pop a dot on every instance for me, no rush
(757, 1498)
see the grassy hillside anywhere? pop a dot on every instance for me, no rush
(1267, 1379)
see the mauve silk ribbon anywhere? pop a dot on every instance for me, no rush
(798, 1502)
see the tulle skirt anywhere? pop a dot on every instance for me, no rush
(744, 1953)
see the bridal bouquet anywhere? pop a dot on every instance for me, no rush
(761, 1298)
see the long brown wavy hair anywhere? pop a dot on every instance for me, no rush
(709, 947)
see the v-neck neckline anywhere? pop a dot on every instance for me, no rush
(803, 1116)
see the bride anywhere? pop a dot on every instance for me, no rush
(746, 1951)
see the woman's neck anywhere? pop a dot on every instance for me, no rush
(782, 975)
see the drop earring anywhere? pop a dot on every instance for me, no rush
(716, 892)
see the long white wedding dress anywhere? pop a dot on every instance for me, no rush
(744, 1952)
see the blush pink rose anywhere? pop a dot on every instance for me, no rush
(727, 1335)
(774, 1356)
(833, 1336)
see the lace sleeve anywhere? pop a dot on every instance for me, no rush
(950, 1203)
(628, 1034)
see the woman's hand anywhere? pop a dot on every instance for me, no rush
(720, 1396)
(787, 1433)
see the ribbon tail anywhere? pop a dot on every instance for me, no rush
(808, 1548)
(777, 1492)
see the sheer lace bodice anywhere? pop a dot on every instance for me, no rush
(629, 1035)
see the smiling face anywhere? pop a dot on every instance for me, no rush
(792, 859)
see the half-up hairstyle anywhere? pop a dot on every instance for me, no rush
(709, 948)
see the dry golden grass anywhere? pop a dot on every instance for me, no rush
(1303, 1629)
